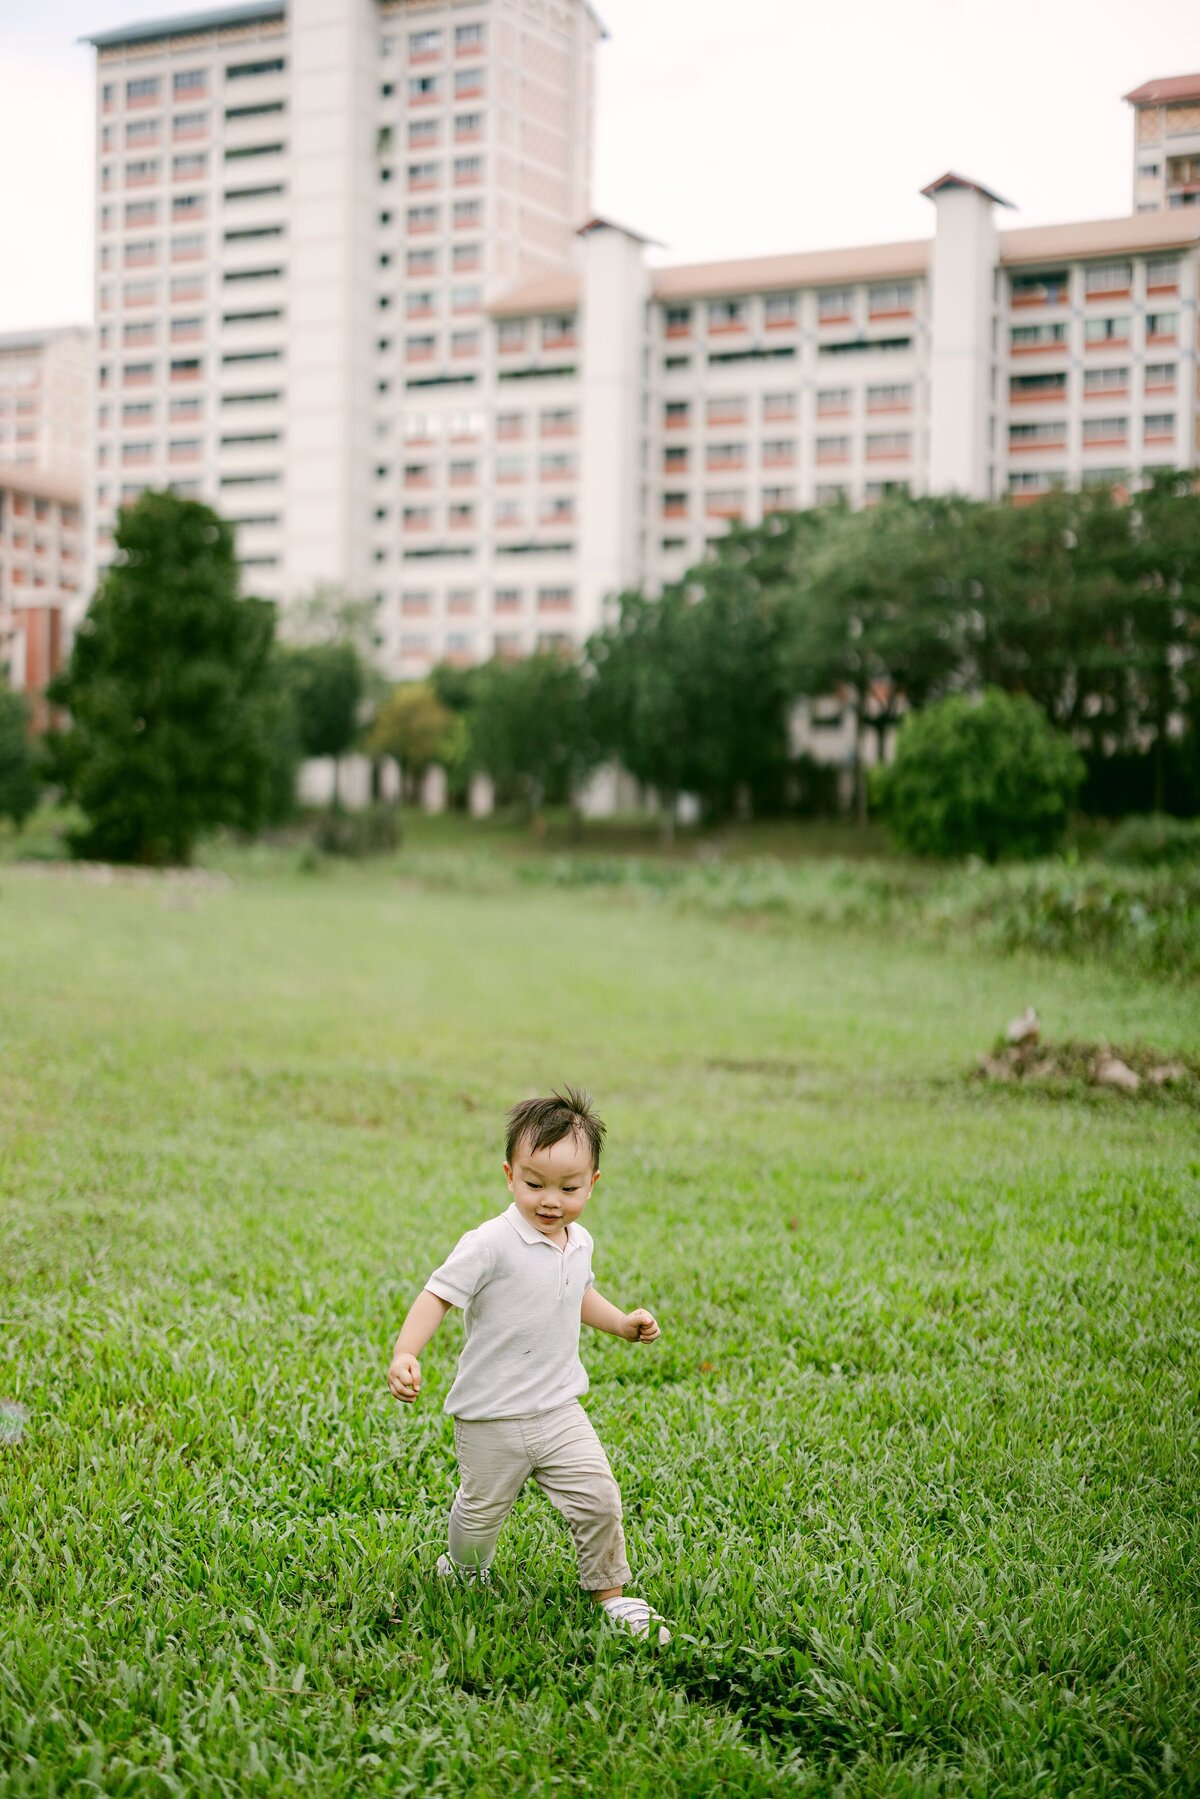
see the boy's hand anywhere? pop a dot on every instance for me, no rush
(641, 1327)
(404, 1376)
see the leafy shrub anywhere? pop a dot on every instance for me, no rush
(1155, 841)
(988, 777)
(373, 832)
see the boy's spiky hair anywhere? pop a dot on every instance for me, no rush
(537, 1123)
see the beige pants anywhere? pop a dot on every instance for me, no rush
(496, 1456)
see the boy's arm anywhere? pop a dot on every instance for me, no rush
(424, 1316)
(603, 1315)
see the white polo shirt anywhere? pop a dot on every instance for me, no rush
(521, 1296)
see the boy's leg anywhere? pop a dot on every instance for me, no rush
(492, 1467)
(571, 1468)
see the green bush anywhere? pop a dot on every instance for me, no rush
(373, 832)
(1155, 841)
(989, 777)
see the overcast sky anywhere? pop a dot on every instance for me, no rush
(725, 127)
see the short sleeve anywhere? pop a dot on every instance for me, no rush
(591, 1278)
(463, 1272)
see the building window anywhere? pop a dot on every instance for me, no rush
(142, 173)
(885, 298)
(1096, 381)
(1162, 272)
(1029, 437)
(423, 133)
(727, 409)
(190, 166)
(423, 174)
(1040, 289)
(1038, 337)
(421, 262)
(466, 299)
(1109, 430)
(894, 397)
(833, 449)
(467, 170)
(1163, 326)
(831, 401)
(468, 214)
(468, 126)
(727, 315)
(1107, 278)
(424, 43)
(834, 304)
(780, 309)
(468, 37)
(242, 71)
(510, 334)
(140, 132)
(1106, 331)
(142, 91)
(1160, 377)
(1157, 426)
(190, 81)
(467, 83)
(422, 218)
(423, 89)
(676, 414)
(883, 444)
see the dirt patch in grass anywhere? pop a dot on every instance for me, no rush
(1133, 1071)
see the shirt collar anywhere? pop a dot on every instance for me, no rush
(529, 1233)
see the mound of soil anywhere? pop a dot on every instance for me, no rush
(1137, 1068)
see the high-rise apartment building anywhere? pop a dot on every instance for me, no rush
(349, 292)
(301, 212)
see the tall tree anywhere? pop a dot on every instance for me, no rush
(412, 725)
(879, 608)
(327, 685)
(167, 690)
(18, 761)
(530, 727)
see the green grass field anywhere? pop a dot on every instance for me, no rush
(912, 1472)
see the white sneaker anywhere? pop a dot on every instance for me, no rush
(636, 1616)
(470, 1577)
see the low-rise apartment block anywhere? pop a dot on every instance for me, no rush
(41, 559)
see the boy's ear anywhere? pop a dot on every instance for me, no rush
(507, 1172)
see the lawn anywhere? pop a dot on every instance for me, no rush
(912, 1472)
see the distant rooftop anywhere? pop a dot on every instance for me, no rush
(187, 22)
(34, 339)
(216, 17)
(561, 290)
(1170, 87)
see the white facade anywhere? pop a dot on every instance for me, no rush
(349, 292)
(44, 400)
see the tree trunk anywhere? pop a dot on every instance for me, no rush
(860, 773)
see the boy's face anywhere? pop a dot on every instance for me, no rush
(551, 1186)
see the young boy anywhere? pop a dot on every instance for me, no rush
(524, 1281)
